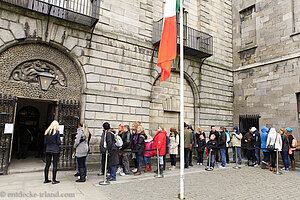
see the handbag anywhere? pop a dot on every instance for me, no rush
(271, 147)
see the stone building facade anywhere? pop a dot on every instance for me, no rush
(111, 69)
(266, 62)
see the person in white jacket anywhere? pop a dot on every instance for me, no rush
(274, 138)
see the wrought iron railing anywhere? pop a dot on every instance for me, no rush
(84, 12)
(194, 40)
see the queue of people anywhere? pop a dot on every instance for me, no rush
(135, 145)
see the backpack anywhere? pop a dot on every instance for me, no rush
(118, 141)
(294, 142)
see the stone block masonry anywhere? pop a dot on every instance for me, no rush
(119, 79)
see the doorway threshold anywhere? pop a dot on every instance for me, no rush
(30, 164)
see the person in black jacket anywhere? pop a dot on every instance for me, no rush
(52, 142)
(201, 144)
(216, 133)
(126, 148)
(222, 146)
(139, 148)
(257, 143)
(109, 144)
(194, 142)
(102, 151)
(212, 147)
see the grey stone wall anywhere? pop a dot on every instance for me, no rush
(266, 76)
(118, 70)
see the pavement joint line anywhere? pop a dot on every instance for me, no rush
(166, 175)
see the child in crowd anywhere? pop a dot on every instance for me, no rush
(201, 144)
(148, 154)
(211, 146)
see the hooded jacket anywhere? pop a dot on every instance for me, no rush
(52, 142)
(274, 138)
(236, 138)
(256, 139)
(140, 143)
(81, 144)
(159, 142)
(263, 138)
(148, 146)
(174, 142)
(222, 140)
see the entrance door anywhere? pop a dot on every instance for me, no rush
(69, 117)
(33, 116)
(7, 113)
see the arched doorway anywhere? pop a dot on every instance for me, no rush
(20, 67)
(165, 104)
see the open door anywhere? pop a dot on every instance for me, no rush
(69, 117)
(7, 118)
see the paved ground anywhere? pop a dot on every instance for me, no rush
(228, 183)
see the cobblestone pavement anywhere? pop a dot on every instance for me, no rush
(228, 183)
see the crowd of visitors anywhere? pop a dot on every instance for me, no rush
(134, 145)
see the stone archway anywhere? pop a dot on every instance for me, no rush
(20, 60)
(19, 66)
(165, 104)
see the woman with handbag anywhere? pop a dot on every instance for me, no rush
(285, 150)
(293, 143)
(274, 143)
(81, 150)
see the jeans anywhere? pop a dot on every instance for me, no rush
(173, 159)
(139, 160)
(113, 170)
(212, 162)
(223, 157)
(161, 160)
(147, 160)
(239, 156)
(81, 161)
(186, 157)
(191, 157)
(266, 156)
(257, 155)
(48, 163)
(273, 158)
(227, 155)
(200, 156)
(285, 158)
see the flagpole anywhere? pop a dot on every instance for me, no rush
(181, 105)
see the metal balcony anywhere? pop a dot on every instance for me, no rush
(196, 43)
(84, 12)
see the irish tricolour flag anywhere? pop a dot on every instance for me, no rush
(168, 43)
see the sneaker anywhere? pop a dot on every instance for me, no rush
(211, 168)
(119, 170)
(134, 170)
(100, 174)
(122, 174)
(256, 165)
(222, 167)
(200, 164)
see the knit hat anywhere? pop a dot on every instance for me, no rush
(106, 126)
(253, 129)
(289, 129)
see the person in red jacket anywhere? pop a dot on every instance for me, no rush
(159, 142)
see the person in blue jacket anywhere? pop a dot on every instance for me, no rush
(263, 145)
